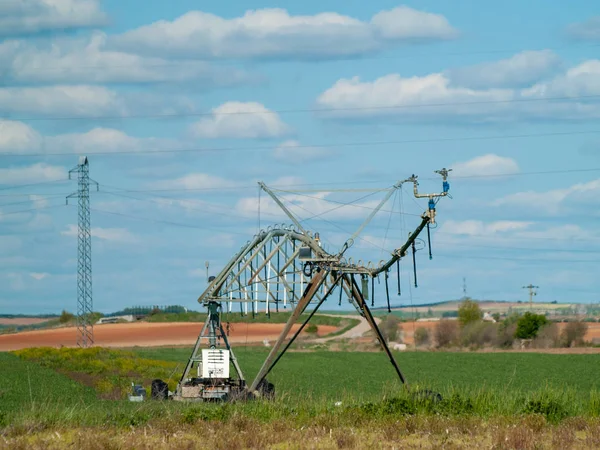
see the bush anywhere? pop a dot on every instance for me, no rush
(529, 324)
(312, 329)
(573, 334)
(422, 336)
(66, 317)
(547, 337)
(469, 312)
(446, 332)
(390, 328)
(478, 334)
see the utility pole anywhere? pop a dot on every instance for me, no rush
(85, 327)
(532, 293)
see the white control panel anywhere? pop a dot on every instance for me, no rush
(215, 363)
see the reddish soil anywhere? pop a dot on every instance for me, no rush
(144, 335)
(22, 321)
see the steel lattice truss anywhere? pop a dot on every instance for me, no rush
(85, 327)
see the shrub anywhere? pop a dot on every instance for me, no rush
(312, 328)
(446, 332)
(478, 334)
(390, 328)
(66, 317)
(547, 337)
(573, 334)
(529, 324)
(422, 336)
(469, 312)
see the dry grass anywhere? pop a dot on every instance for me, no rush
(241, 432)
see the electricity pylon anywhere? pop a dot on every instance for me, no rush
(85, 327)
(532, 293)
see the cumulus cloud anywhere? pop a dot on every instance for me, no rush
(274, 33)
(36, 172)
(118, 235)
(100, 140)
(556, 201)
(239, 120)
(588, 30)
(291, 152)
(519, 70)
(434, 96)
(195, 181)
(489, 165)
(17, 137)
(479, 228)
(86, 101)
(39, 276)
(19, 17)
(306, 206)
(88, 61)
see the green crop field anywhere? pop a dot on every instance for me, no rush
(480, 390)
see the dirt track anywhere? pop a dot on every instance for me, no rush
(143, 335)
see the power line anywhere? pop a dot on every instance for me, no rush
(305, 110)
(339, 144)
(41, 183)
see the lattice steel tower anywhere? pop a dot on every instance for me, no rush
(85, 327)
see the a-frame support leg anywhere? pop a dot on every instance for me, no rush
(194, 354)
(233, 358)
(308, 295)
(356, 293)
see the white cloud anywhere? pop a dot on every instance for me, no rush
(19, 17)
(27, 174)
(195, 181)
(55, 100)
(73, 61)
(479, 228)
(17, 137)
(433, 96)
(487, 165)
(119, 235)
(274, 33)
(305, 206)
(86, 101)
(38, 276)
(582, 195)
(519, 70)
(292, 152)
(238, 120)
(588, 30)
(106, 140)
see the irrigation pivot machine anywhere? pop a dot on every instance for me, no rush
(287, 267)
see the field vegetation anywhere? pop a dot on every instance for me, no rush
(326, 399)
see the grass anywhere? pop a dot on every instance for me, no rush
(275, 317)
(502, 400)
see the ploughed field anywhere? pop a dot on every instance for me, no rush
(145, 334)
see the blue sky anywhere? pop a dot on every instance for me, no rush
(182, 110)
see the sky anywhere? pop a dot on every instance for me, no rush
(183, 106)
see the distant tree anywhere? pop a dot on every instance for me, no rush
(469, 312)
(65, 317)
(430, 312)
(529, 324)
(390, 327)
(422, 336)
(446, 332)
(496, 317)
(573, 334)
